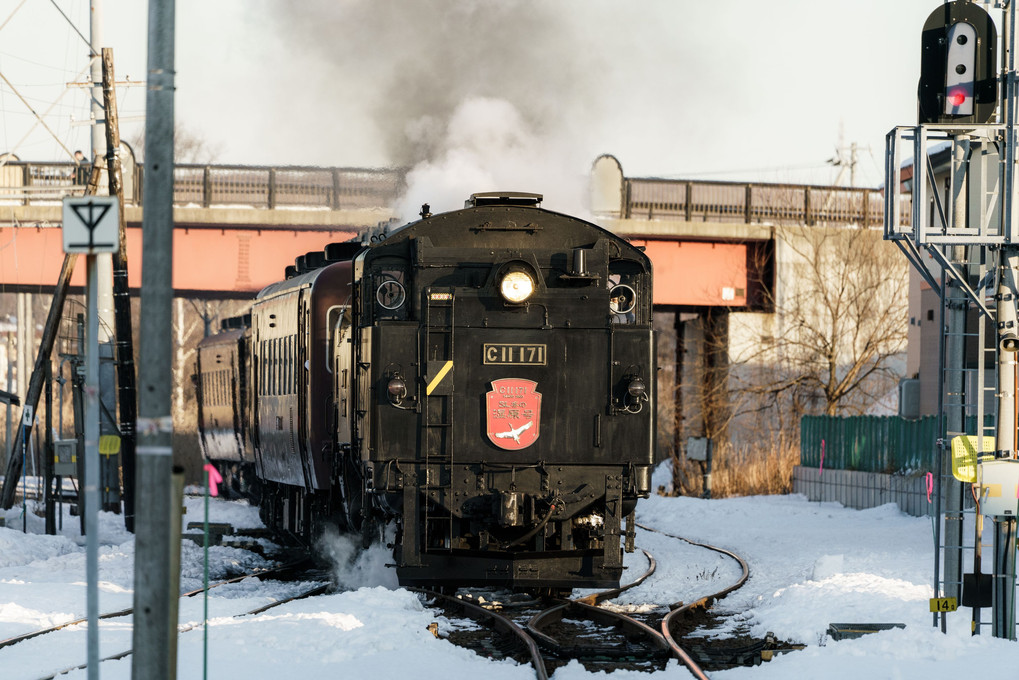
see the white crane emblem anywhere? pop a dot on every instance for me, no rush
(515, 433)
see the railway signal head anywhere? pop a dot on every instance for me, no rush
(960, 68)
(958, 79)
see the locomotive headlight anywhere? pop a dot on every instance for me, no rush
(516, 286)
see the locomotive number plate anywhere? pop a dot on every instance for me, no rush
(514, 353)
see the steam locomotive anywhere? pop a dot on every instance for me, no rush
(483, 379)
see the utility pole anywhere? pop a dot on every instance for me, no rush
(155, 628)
(840, 162)
(110, 486)
(122, 296)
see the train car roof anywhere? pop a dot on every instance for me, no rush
(223, 338)
(308, 278)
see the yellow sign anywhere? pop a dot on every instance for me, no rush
(109, 444)
(943, 604)
(964, 456)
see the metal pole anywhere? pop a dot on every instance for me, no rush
(176, 514)
(710, 445)
(940, 451)
(1008, 288)
(154, 625)
(96, 43)
(92, 465)
(48, 500)
(1003, 589)
(1003, 602)
(10, 388)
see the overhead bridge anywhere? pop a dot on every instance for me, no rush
(237, 227)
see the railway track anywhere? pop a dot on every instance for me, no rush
(290, 571)
(687, 613)
(542, 633)
(682, 624)
(550, 635)
(260, 573)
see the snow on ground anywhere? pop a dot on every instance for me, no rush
(811, 564)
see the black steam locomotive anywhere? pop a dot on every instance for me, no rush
(483, 377)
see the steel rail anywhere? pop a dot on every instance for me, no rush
(502, 624)
(680, 610)
(311, 592)
(586, 607)
(630, 627)
(127, 612)
(598, 598)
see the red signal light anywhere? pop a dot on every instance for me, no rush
(957, 97)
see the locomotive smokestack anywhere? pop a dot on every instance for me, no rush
(426, 211)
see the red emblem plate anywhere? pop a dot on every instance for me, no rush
(514, 413)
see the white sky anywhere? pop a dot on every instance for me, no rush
(744, 89)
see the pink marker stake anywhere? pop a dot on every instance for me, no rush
(930, 485)
(214, 479)
(212, 490)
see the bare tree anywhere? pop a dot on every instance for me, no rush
(189, 147)
(839, 326)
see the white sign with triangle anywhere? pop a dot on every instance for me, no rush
(91, 224)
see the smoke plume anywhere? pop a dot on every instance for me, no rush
(471, 96)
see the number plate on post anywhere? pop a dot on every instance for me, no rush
(943, 604)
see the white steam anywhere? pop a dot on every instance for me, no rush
(353, 567)
(487, 145)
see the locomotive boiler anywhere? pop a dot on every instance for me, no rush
(482, 378)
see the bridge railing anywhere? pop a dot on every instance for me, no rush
(208, 186)
(739, 202)
(294, 187)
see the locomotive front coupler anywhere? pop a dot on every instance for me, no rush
(555, 505)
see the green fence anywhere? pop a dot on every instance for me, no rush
(869, 443)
